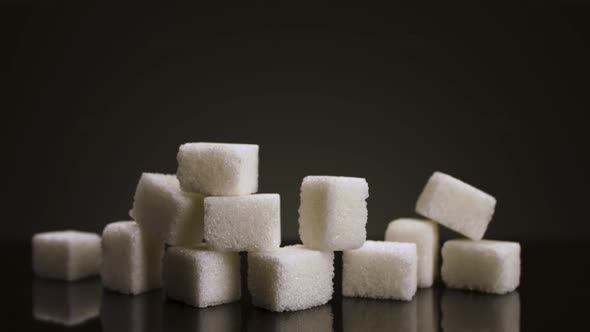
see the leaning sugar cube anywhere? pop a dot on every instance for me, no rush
(243, 223)
(333, 212)
(456, 205)
(132, 261)
(424, 233)
(201, 277)
(163, 210)
(66, 255)
(218, 169)
(381, 270)
(290, 278)
(486, 266)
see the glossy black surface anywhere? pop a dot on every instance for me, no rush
(552, 295)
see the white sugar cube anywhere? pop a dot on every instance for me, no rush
(381, 270)
(333, 212)
(313, 319)
(179, 317)
(243, 223)
(290, 278)
(163, 210)
(218, 169)
(371, 315)
(456, 205)
(67, 304)
(141, 313)
(132, 261)
(66, 255)
(462, 311)
(424, 233)
(485, 265)
(201, 277)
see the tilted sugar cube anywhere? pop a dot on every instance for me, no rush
(66, 255)
(313, 319)
(424, 233)
(381, 270)
(462, 311)
(141, 313)
(67, 304)
(201, 277)
(163, 210)
(333, 212)
(370, 315)
(132, 260)
(243, 223)
(485, 265)
(290, 278)
(456, 205)
(218, 169)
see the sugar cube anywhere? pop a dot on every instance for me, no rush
(373, 315)
(333, 212)
(225, 317)
(201, 277)
(163, 210)
(141, 313)
(424, 233)
(66, 255)
(218, 169)
(290, 278)
(485, 265)
(313, 319)
(243, 223)
(66, 303)
(463, 311)
(456, 205)
(132, 260)
(381, 270)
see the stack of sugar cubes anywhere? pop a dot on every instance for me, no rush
(188, 229)
(470, 263)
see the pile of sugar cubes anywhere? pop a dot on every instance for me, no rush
(188, 229)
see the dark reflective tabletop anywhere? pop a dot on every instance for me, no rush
(552, 295)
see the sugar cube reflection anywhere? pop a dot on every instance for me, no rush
(313, 319)
(467, 311)
(360, 314)
(66, 303)
(428, 309)
(125, 313)
(180, 317)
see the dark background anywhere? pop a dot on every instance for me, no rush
(494, 94)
